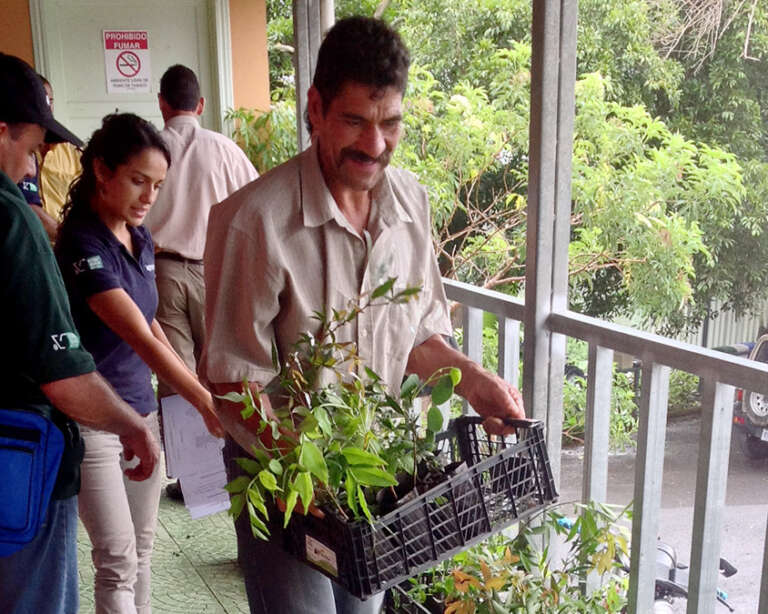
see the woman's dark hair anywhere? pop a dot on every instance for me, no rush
(121, 136)
(361, 50)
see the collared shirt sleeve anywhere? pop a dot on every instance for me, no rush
(434, 316)
(39, 328)
(242, 169)
(88, 264)
(240, 330)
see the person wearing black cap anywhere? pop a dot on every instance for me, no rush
(43, 367)
(31, 184)
(57, 165)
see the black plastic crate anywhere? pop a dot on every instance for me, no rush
(506, 479)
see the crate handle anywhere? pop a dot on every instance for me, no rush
(522, 423)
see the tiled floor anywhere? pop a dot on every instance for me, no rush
(193, 565)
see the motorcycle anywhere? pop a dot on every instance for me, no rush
(750, 411)
(672, 580)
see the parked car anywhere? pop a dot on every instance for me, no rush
(751, 410)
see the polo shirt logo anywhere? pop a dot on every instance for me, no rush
(65, 341)
(150, 267)
(92, 263)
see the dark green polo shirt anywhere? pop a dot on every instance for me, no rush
(38, 343)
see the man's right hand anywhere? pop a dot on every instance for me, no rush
(207, 410)
(90, 400)
(144, 446)
(244, 432)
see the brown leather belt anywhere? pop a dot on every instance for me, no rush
(176, 257)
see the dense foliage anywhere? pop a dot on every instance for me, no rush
(670, 184)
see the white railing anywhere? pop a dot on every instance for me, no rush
(719, 374)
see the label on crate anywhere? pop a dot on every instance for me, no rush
(321, 555)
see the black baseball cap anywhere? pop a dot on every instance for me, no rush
(24, 100)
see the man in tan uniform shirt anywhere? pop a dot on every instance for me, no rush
(206, 167)
(314, 233)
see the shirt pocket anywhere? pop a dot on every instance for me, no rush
(398, 328)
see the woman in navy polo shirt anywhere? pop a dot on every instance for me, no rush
(107, 260)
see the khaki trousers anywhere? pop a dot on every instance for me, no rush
(181, 310)
(120, 516)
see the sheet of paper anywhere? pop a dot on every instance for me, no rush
(189, 447)
(204, 493)
(194, 456)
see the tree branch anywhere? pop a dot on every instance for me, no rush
(380, 9)
(745, 53)
(284, 48)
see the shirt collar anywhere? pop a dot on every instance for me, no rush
(138, 236)
(389, 209)
(319, 207)
(178, 121)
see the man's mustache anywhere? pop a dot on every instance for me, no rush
(359, 156)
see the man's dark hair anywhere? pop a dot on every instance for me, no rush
(180, 88)
(363, 50)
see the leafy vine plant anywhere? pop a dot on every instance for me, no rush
(336, 436)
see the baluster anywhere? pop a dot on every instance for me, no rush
(649, 469)
(472, 321)
(509, 350)
(597, 424)
(711, 479)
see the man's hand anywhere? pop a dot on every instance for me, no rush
(90, 400)
(143, 445)
(493, 398)
(244, 432)
(213, 424)
(299, 509)
(207, 411)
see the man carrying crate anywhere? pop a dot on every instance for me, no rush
(317, 232)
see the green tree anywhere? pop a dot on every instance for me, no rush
(723, 52)
(616, 38)
(644, 198)
(664, 196)
(724, 101)
(280, 44)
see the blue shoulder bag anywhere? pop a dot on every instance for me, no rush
(31, 448)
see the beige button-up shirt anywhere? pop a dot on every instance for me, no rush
(280, 249)
(206, 167)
